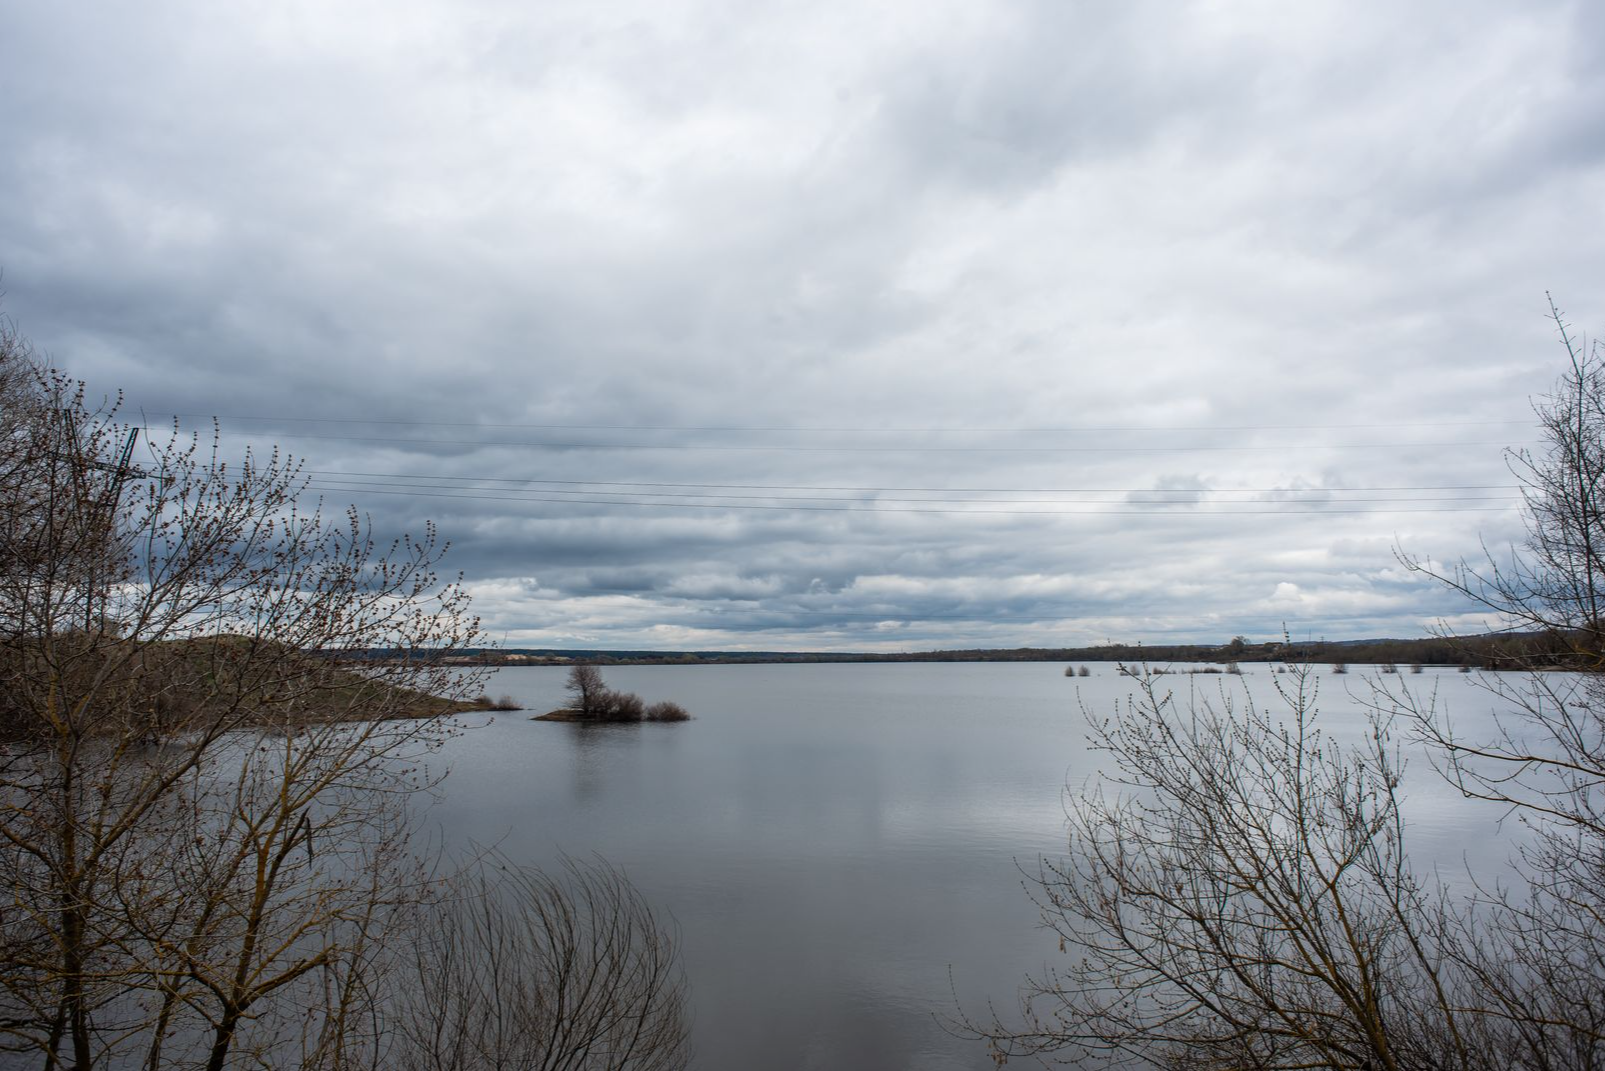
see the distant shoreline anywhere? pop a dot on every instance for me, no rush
(1486, 651)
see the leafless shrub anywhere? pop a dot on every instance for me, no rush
(621, 706)
(667, 711)
(519, 969)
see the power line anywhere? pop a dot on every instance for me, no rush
(872, 509)
(819, 430)
(1102, 449)
(341, 473)
(980, 616)
(416, 484)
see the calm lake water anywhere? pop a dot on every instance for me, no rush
(841, 845)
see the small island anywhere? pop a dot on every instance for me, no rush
(594, 701)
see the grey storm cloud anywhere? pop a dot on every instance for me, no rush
(714, 325)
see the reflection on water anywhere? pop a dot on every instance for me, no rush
(833, 838)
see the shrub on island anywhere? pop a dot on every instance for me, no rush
(591, 700)
(667, 711)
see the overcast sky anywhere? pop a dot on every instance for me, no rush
(837, 325)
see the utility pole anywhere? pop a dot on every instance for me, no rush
(102, 513)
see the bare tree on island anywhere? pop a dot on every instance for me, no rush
(585, 688)
(592, 700)
(206, 782)
(1238, 895)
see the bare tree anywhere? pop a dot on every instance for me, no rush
(519, 969)
(1237, 896)
(585, 688)
(1538, 945)
(1554, 584)
(198, 790)
(214, 707)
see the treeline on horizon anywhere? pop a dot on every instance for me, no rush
(1490, 651)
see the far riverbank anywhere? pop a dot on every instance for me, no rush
(1487, 652)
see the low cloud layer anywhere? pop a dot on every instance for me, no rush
(698, 325)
